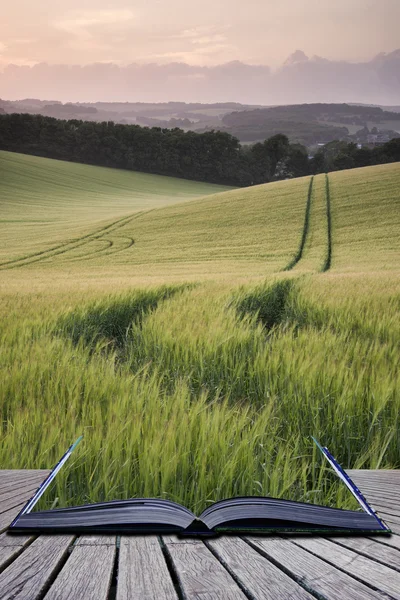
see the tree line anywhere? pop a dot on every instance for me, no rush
(213, 156)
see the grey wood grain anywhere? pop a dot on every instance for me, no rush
(385, 487)
(371, 473)
(30, 574)
(394, 528)
(11, 546)
(367, 547)
(382, 504)
(9, 515)
(142, 571)
(391, 478)
(86, 574)
(314, 573)
(7, 486)
(200, 574)
(393, 540)
(375, 574)
(389, 517)
(378, 501)
(27, 489)
(9, 482)
(96, 540)
(257, 575)
(384, 491)
(15, 500)
(21, 473)
(7, 540)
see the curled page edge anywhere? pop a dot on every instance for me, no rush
(45, 484)
(349, 483)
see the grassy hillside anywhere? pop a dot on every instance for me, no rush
(56, 221)
(212, 386)
(44, 201)
(366, 218)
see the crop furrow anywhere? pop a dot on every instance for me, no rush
(304, 234)
(91, 253)
(130, 243)
(328, 259)
(67, 246)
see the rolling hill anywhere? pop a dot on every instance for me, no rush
(199, 344)
(76, 219)
(45, 201)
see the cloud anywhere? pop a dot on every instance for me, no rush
(196, 44)
(202, 35)
(79, 23)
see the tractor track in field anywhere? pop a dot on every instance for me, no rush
(328, 260)
(68, 246)
(130, 243)
(306, 228)
(297, 257)
(93, 253)
(107, 251)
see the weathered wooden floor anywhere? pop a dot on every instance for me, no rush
(133, 568)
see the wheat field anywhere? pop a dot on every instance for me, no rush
(189, 340)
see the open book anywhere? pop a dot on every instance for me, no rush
(235, 515)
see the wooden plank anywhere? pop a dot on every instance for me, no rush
(394, 528)
(200, 574)
(7, 517)
(314, 573)
(371, 473)
(11, 546)
(28, 489)
(142, 571)
(4, 473)
(392, 477)
(15, 500)
(6, 540)
(375, 574)
(369, 548)
(87, 573)
(379, 484)
(32, 572)
(393, 540)
(389, 518)
(379, 504)
(377, 500)
(12, 484)
(20, 479)
(384, 487)
(96, 540)
(384, 490)
(261, 579)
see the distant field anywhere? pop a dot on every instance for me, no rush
(198, 345)
(44, 200)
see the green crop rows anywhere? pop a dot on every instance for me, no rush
(173, 338)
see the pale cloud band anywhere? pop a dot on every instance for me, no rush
(208, 33)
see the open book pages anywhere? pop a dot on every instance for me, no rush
(150, 515)
(241, 514)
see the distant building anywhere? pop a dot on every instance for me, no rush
(377, 139)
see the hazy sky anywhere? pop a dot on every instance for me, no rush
(208, 32)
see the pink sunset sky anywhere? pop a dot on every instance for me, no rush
(209, 32)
